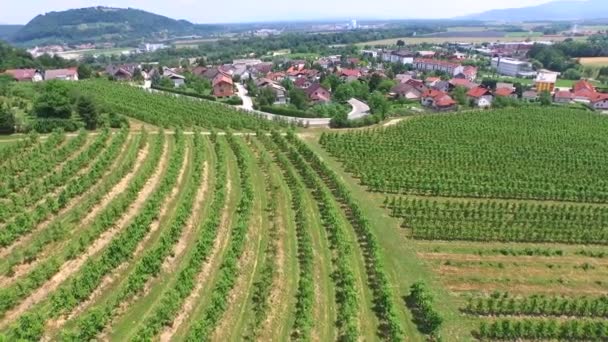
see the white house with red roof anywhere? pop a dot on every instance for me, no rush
(318, 94)
(223, 85)
(482, 97)
(600, 102)
(25, 75)
(438, 100)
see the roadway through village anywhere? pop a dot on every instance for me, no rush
(360, 110)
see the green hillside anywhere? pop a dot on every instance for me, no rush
(102, 24)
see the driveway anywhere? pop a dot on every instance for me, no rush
(360, 109)
(243, 94)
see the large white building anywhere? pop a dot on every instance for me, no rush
(512, 67)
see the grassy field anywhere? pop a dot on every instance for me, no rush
(487, 248)
(594, 61)
(440, 40)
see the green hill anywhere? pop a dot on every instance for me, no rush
(102, 24)
(7, 31)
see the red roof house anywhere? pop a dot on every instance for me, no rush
(62, 74)
(438, 100)
(482, 97)
(25, 75)
(505, 92)
(223, 86)
(563, 97)
(317, 93)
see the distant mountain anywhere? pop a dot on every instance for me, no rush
(7, 31)
(103, 24)
(556, 10)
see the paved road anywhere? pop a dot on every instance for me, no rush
(360, 109)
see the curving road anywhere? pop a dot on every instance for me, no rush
(360, 110)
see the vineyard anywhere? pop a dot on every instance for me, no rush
(508, 208)
(127, 235)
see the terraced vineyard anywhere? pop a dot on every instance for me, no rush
(507, 208)
(171, 235)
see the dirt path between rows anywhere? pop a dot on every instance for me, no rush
(118, 189)
(73, 266)
(220, 244)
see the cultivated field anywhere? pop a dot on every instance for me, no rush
(172, 235)
(594, 61)
(478, 39)
(508, 208)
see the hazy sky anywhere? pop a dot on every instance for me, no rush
(210, 11)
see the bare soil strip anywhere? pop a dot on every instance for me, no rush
(220, 244)
(72, 267)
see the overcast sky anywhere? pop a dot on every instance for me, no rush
(228, 11)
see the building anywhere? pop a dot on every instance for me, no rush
(279, 91)
(562, 97)
(530, 95)
(468, 73)
(512, 67)
(600, 102)
(406, 91)
(583, 91)
(223, 86)
(399, 56)
(460, 82)
(177, 79)
(247, 62)
(25, 75)
(61, 74)
(545, 81)
(302, 83)
(481, 97)
(318, 94)
(122, 72)
(437, 100)
(505, 92)
(147, 47)
(430, 65)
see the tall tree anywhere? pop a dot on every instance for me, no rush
(88, 112)
(7, 120)
(54, 102)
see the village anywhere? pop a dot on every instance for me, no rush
(383, 82)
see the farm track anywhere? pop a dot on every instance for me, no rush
(74, 205)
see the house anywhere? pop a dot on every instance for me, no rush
(444, 86)
(426, 54)
(505, 92)
(562, 97)
(280, 91)
(545, 81)
(317, 93)
(61, 74)
(530, 95)
(583, 91)
(481, 97)
(350, 74)
(600, 102)
(418, 84)
(437, 100)
(431, 81)
(210, 74)
(302, 83)
(223, 86)
(406, 91)
(25, 75)
(177, 79)
(199, 71)
(429, 65)
(505, 85)
(468, 73)
(262, 68)
(276, 76)
(123, 72)
(512, 67)
(402, 57)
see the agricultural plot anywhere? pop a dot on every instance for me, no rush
(183, 236)
(506, 207)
